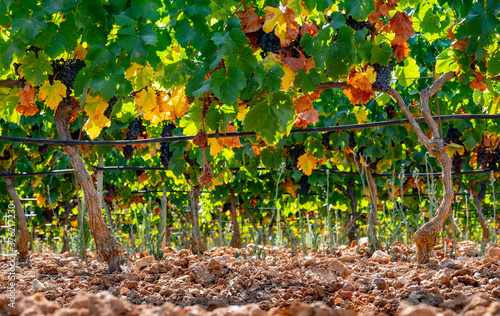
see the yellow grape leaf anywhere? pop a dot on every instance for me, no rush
(361, 114)
(452, 149)
(52, 94)
(179, 101)
(288, 78)
(275, 16)
(139, 75)
(230, 142)
(146, 102)
(242, 111)
(307, 163)
(95, 107)
(215, 146)
(80, 52)
(40, 201)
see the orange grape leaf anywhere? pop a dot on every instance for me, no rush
(305, 118)
(95, 107)
(401, 25)
(361, 85)
(250, 21)
(80, 52)
(478, 83)
(52, 94)
(40, 200)
(300, 62)
(292, 27)
(230, 142)
(307, 163)
(290, 187)
(27, 96)
(460, 45)
(450, 34)
(402, 51)
(215, 146)
(143, 177)
(288, 78)
(310, 28)
(304, 103)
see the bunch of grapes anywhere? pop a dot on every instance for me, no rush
(295, 153)
(358, 25)
(20, 81)
(453, 136)
(135, 129)
(488, 159)
(352, 141)
(383, 81)
(482, 194)
(6, 155)
(325, 140)
(66, 72)
(390, 110)
(269, 42)
(42, 150)
(76, 134)
(111, 104)
(128, 151)
(165, 153)
(304, 185)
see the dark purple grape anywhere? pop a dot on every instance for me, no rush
(304, 185)
(128, 151)
(42, 149)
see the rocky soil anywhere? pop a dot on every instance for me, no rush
(228, 281)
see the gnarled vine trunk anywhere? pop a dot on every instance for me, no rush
(197, 244)
(22, 244)
(427, 236)
(107, 246)
(236, 237)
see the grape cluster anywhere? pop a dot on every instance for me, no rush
(304, 185)
(358, 25)
(165, 153)
(20, 81)
(42, 150)
(269, 42)
(66, 71)
(383, 81)
(390, 110)
(488, 158)
(111, 104)
(135, 129)
(295, 153)
(6, 155)
(325, 140)
(352, 141)
(482, 194)
(76, 134)
(453, 136)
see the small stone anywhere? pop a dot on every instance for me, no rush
(380, 284)
(380, 256)
(2, 278)
(467, 279)
(62, 270)
(143, 262)
(418, 310)
(339, 268)
(494, 281)
(450, 263)
(339, 301)
(494, 253)
(413, 288)
(363, 242)
(495, 293)
(124, 291)
(38, 286)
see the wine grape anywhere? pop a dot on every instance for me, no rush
(111, 104)
(325, 140)
(383, 81)
(135, 128)
(295, 153)
(453, 136)
(352, 141)
(6, 155)
(269, 42)
(358, 25)
(304, 185)
(42, 149)
(482, 194)
(128, 151)
(165, 154)
(167, 129)
(390, 110)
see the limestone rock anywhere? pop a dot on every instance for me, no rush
(494, 253)
(38, 286)
(339, 268)
(143, 262)
(380, 256)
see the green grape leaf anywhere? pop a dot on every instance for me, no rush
(381, 54)
(471, 137)
(359, 9)
(197, 84)
(28, 27)
(245, 61)
(35, 70)
(307, 81)
(270, 116)
(226, 87)
(136, 43)
(483, 21)
(408, 72)
(494, 63)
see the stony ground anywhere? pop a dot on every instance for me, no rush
(228, 281)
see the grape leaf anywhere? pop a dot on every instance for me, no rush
(471, 137)
(95, 107)
(52, 94)
(381, 54)
(307, 163)
(33, 69)
(226, 87)
(270, 116)
(359, 9)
